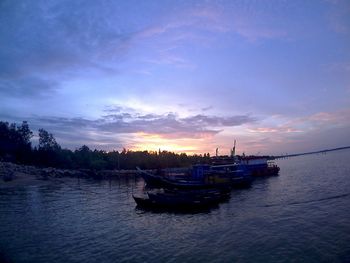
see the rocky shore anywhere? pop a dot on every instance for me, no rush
(11, 173)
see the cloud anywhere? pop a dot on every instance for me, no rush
(273, 130)
(207, 108)
(171, 32)
(310, 123)
(253, 33)
(190, 24)
(313, 132)
(46, 43)
(167, 58)
(205, 18)
(295, 142)
(213, 121)
(254, 24)
(166, 125)
(110, 129)
(33, 87)
(202, 26)
(325, 120)
(50, 41)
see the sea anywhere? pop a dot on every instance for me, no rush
(301, 215)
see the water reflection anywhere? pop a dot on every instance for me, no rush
(280, 219)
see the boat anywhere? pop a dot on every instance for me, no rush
(260, 166)
(151, 179)
(199, 177)
(239, 175)
(255, 165)
(180, 200)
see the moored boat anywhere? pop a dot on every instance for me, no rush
(180, 200)
(260, 166)
(256, 165)
(200, 177)
(238, 175)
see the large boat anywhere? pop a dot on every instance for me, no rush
(260, 166)
(256, 165)
(238, 174)
(200, 176)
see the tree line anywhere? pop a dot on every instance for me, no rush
(16, 146)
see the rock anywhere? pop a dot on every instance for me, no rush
(9, 176)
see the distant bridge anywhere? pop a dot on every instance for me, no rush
(307, 153)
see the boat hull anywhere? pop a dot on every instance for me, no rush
(181, 200)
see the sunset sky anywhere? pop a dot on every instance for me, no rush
(185, 76)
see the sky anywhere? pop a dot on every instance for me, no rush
(183, 76)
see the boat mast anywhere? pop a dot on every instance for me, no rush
(233, 151)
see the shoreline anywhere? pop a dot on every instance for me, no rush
(12, 175)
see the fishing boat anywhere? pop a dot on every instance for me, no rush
(178, 200)
(255, 165)
(260, 166)
(239, 175)
(199, 177)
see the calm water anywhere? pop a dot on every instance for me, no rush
(302, 215)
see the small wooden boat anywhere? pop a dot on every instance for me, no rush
(144, 202)
(179, 200)
(151, 179)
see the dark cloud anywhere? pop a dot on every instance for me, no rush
(149, 116)
(203, 120)
(43, 42)
(153, 123)
(113, 131)
(108, 130)
(207, 108)
(68, 123)
(117, 117)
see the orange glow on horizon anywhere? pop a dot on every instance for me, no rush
(154, 142)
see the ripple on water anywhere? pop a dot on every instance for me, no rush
(302, 215)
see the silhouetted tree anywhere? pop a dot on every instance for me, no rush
(15, 142)
(47, 141)
(49, 151)
(15, 145)
(83, 157)
(25, 133)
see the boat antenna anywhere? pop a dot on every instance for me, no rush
(233, 151)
